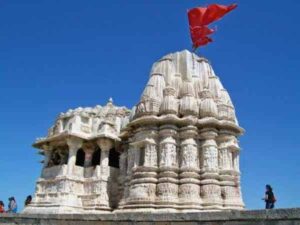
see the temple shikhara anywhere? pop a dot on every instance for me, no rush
(175, 150)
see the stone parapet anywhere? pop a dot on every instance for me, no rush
(252, 217)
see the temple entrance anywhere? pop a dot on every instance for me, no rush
(80, 158)
(113, 190)
(113, 158)
(96, 157)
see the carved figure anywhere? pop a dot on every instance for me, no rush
(168, 155)
(189, 156)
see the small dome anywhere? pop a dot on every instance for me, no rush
(87, 121)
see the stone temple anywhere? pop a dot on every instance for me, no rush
(176, 150)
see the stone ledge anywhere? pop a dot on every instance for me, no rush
(261, 217)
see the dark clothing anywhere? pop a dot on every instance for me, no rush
(269, 205)
(270, 196)
(270, 199)
(27, 202)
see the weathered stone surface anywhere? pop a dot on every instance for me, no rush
(179, 149)
(260, 217)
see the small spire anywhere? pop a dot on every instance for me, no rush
(110, 100)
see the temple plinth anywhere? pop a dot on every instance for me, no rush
(176, 150)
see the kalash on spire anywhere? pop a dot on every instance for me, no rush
(175, 150)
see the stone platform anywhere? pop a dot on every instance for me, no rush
(253, 217)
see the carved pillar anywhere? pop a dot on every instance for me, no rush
(189, 188)
(210, 185)
(167, 187)
(104, 163)
(102, 201)
(130, 166)
(144, 169)
(74, 145)
(229, 170)
(123, 183)
(235, 152)
(236, 160)
(47, 155)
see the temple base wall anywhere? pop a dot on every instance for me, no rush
(261, 217)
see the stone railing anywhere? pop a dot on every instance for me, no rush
(54, 171)
(261, 217)
(78, 171)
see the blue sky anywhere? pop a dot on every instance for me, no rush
(57, 55)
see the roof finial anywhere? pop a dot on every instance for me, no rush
(110, 101)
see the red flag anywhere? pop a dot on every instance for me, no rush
(200, 17)
(201, 42)
(215, 12)
(201, 31)
(195, 16)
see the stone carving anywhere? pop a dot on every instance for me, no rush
(58, 157)
(229, 150)
(167, 192)
(189, 156)
(142, 192)
(210, 158)
(149, 105)
(178, 148)
(168, 152)
(236, 161)
(141, 108)
(225, 159)
(230, 192)
(168, 155)
(123, 163)
(131, 159)
(189, 192)
(211, 191)
(150, 155)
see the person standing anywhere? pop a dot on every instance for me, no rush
(12, 205)
(28, 200)
(269, 197)
(2, 210)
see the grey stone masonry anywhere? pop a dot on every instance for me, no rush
(233, 217)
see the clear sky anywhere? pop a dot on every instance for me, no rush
(56, 55)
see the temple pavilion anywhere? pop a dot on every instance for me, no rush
(176, 149)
